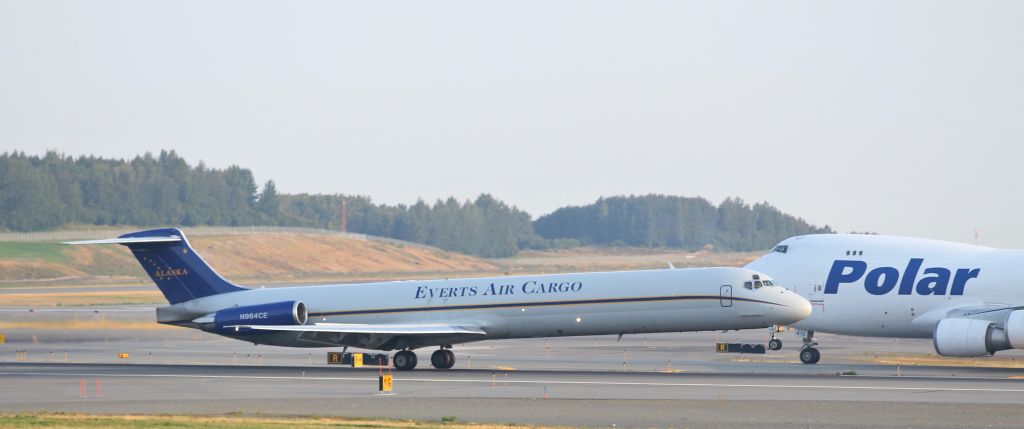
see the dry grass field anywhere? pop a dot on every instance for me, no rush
(43, 298)
(296, 258)
(37, 274)
(257, 258)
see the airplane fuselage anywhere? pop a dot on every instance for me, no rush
(552, 305)
(893, 286)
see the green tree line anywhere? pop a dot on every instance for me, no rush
(39, 193)
(49, 191)
(671, 221)
(483, 227)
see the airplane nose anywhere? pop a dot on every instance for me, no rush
(799, 308)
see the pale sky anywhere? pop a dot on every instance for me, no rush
(897, 117)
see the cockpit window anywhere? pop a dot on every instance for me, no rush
(748, 285)
(782, 248)
(757, 284)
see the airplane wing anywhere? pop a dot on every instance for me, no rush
(995, 312)
(404, 329)
(973, 310)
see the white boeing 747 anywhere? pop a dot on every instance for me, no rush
(967, 299)
(406, 315)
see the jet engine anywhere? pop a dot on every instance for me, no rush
(964, 337)
(278, 313)
(1015, 329)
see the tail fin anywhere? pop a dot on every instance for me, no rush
(179, 272)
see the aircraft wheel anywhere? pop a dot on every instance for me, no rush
(442, 359)
(451, 358)
(405, 360)
(775, 344)
(810, 355)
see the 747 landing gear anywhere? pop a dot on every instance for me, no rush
(809, 354)
(404, 360)
(442, 359)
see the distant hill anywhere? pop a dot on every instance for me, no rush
(670, 221)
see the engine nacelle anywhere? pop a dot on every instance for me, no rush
(964, 337)
(278, 313)
(1015, 329)
(960, 337)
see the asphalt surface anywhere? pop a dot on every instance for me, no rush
(663, 380)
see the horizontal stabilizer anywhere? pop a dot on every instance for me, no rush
(76, 310)
(128, 240)
(383, 329)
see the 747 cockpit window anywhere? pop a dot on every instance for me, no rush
(782, 248)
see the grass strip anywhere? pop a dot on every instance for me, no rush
(231, 421)
(76, 299)
(52, 252)
(79, 325)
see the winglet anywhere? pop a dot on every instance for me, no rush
(670, 266)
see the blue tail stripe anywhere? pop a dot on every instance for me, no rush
(179, 272)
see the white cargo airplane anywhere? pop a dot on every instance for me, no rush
(405, 315)
(966, 298)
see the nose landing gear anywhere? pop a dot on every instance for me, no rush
(774, 343)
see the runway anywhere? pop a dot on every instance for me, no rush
(562, 384)
(663, 380)
(586, 398)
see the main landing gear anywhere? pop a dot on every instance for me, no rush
(810, 355)
(404, 360)
(442, 358)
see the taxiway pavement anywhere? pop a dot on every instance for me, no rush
(663, 380)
